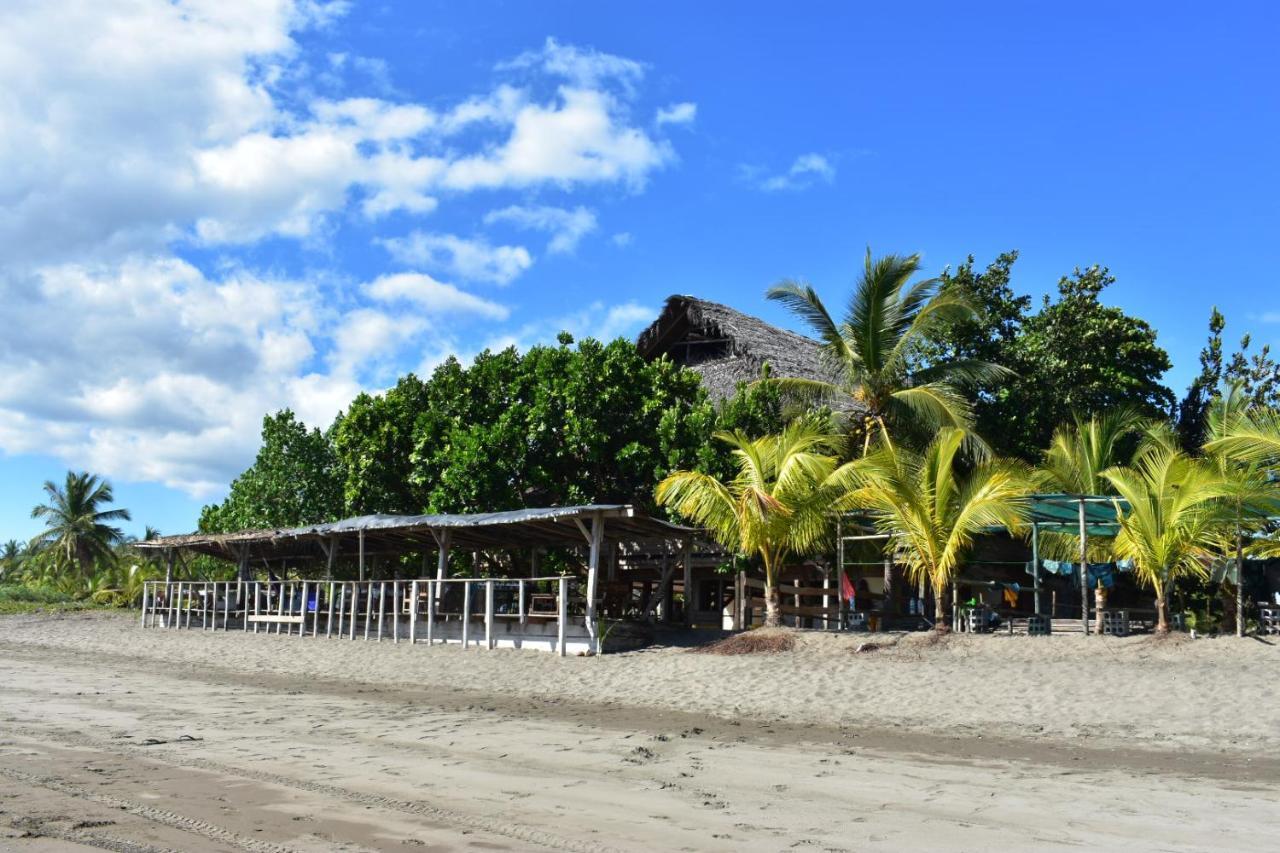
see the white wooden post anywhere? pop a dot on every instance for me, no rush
(488, 614)
(431, 612)
(302, 626)
(524, 613)
(177, 622)
(466, 612)
(562, 611)
(442, 561)
(144, 604)
(342, 607)
(257, 596)
(593, 580)
(396, 607)
(368, 608)
(382, 607)
(328, 622)
(355, 605)
(413, 613)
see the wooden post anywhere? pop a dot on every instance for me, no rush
(355, 611)
(1239, 583)
(413, 613)
(226, 606)
(442, 559)
(688, 583)
(382, 607)
(302, 610)
(144, 603)
(562, 611)
(1035, 564)
(466, 612)
(342, 606)
(431, 612)
(1084, 573)
(257, 595)
(593, 580)
(361, 570)
(396, 607)
(524, 613)
(488, 614)
(368, 608)
(887, 607)
(168, 567)
(840, 602)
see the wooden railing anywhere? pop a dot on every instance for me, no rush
(351, 608)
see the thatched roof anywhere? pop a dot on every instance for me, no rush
(728, 347)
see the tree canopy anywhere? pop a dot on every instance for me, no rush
(1074, 356)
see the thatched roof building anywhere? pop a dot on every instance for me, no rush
(726, 346)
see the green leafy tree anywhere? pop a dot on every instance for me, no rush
(294, 480)
(13, 555)
(777, 505)
(373, 442)
(932, 506)
(78, 530)
(1074, 356)
(877, 385)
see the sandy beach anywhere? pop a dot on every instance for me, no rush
(116, 738)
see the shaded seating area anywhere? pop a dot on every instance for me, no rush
(559, 613)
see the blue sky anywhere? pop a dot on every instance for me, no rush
(215, 209)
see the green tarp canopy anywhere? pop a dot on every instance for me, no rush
(1061, 513)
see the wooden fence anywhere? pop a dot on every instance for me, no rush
(426, 609)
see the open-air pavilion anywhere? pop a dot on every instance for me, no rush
(555, 612)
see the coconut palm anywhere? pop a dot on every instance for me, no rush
(77, 524)
(869, 353)
(12, 557)
(1074, 463)
(778, 503)
(1175, 515)
(1251, 493)
(932, 510)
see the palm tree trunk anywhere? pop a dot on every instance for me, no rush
(1239, 583)
(1162, 611)
(772, 604)
(939, 608)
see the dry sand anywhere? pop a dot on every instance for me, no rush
(976, 743)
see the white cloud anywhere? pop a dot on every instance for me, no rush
(433, 296)
(622, 239)
(805, 171)
(470, 260)
(683, 113)
(567, 227)
(584, 67)
(578, 138)
(137, 130)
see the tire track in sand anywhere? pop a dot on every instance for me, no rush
(416, 808)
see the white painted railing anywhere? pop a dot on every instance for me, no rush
(512, 611)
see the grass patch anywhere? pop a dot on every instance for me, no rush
(18, 598)
(760, 642)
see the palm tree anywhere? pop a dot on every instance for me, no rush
(12, 557)
(932, 510)
(778, 504)
(76, 525)
(1074, 463)
(1251, 493)
(1175, 515)
(870, 353)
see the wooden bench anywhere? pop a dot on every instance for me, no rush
(276, 618)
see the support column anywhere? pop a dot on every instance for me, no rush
(593, 581)
(361, 576)
(442, 560)
(687, 556)
(1035, 563)
(168, 567)
(1084, 572)
(331, 554)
